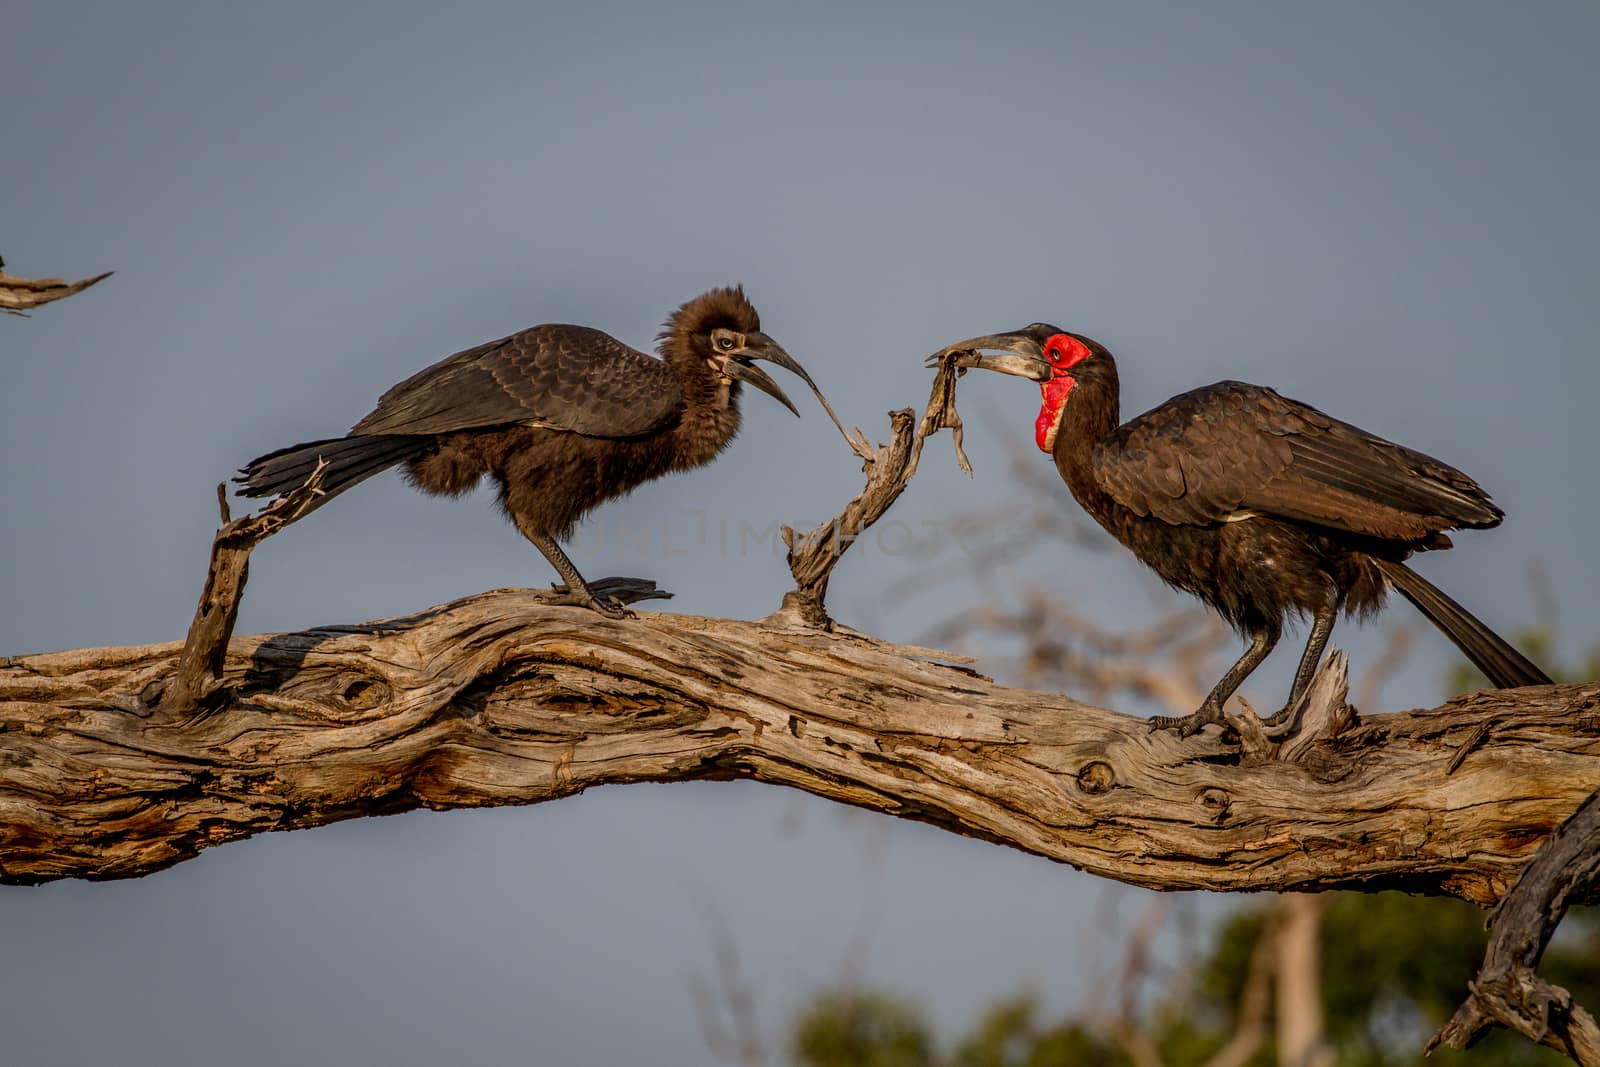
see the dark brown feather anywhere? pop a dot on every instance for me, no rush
(561, 377)
(1216, 452)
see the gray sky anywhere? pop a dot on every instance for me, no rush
(1386, 210)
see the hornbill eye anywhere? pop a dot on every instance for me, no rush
(725, 342)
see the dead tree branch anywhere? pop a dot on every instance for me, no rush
(1507, 991)
(17, 294)
(199, 675)
(504, 699)
(889, 470)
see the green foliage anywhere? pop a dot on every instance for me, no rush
(876, 1030)
(1010, 1034)
(861, 1030)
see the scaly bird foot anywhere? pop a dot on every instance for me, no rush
(610, 607)
(601, 603)
(1189, 725)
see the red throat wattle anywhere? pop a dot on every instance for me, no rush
(1063, 351)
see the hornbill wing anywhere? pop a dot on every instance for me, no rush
(1230, 450)
(564, 377)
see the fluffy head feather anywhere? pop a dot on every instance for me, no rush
(687, 330)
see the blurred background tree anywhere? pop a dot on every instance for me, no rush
(1394, 967)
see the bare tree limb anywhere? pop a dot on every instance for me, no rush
(17, 293)
(200, 664)
(1507, 991)
(889, 470)
(504, 699)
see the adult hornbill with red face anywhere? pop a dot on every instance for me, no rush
(1259, 505)
(562, 417)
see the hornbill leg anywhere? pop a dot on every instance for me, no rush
(1261, 643)
(607, 606)
(1321, 628)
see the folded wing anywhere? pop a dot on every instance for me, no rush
(563, 377)
(1231, 449)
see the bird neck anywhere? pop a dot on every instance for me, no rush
(1092, 411)
(710, 416)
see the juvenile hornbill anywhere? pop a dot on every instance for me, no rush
(562, 417)
(1259, 505)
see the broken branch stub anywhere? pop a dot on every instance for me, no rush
(199, 672)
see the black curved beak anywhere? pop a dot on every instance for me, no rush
(760, 346)
(744, 372)
(1023, 355)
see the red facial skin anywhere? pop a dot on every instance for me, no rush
(1063, 351)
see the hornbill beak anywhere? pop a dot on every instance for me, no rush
(760, 346)
(759, 378)
(1024, 355)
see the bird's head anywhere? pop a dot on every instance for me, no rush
(721, 332)
(1043, 353)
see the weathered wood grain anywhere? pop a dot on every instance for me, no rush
(504, 698)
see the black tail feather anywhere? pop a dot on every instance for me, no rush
(1489, 652)
(349, 460)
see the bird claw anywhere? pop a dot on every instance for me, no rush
(611, 607)
(600, 603)
(1189, 725)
